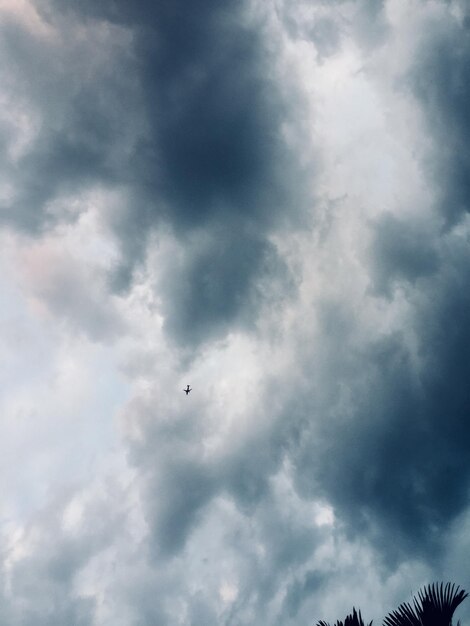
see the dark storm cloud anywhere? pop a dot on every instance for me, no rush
(300, 589)
(441, 81)
(389, 444)
(214, 286)
(402, 250)
(212, 157)
(77, 102)
(392, 461)
(183, 489)
(287, 543)
(375, 426)
(391, 450)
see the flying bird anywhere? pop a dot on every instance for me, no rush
(187, 390)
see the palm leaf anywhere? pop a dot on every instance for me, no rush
(434, 606)
(354, 619)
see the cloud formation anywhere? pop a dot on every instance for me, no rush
(188, 120)
(267, 201)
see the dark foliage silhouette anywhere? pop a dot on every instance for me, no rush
(433, 606)
(354, 619)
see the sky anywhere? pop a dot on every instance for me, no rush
(267, 200)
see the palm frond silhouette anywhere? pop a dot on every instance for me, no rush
(433, 606)
(354, 619)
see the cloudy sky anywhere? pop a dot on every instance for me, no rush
(268, 200)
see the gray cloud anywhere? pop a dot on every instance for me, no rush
(441, 79)
(43, 572)
(370, 24)
(300, 589)
(212, 156)
(328, 24)
(402, 250)
(398, 468)
(78, 135)
(212, 288)
(183, 488)
(383, 431)
(181, 110)
(326, 34)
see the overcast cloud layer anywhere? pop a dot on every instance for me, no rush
(268, 201)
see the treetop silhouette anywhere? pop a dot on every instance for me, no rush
(433, 606)
(355, 619)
